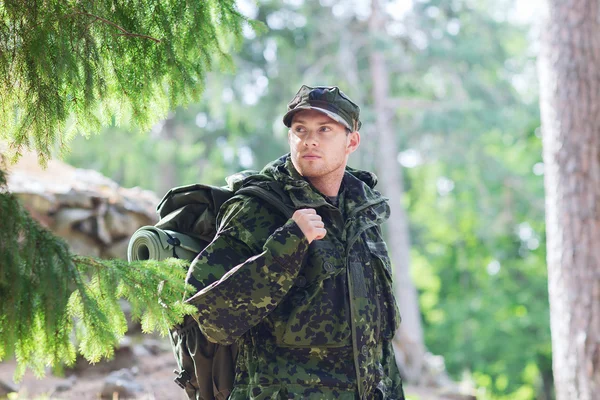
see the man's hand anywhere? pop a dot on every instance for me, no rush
(310, 223)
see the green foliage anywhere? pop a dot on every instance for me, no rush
(49, 295)
(476, 201)
(488, 313)
(73, 66)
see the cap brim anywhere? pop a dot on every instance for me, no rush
(287, 118)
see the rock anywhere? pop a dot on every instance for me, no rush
(125, 343)
(66, 384)
(94, 180)
(91, 212)
(45, 220)
(75, 199)
(139, 350)
(140, 201)
(65, 218)
(102, 231)
(87, 226)
(44, 203)
(156, 346)
(116, 250)
(121, 382)
(6, 388)
(82, 244)
(120, 224)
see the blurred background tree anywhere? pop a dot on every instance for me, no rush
(462, 106)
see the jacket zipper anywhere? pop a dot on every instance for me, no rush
(353, 333)
(352, 311)
(379, 316)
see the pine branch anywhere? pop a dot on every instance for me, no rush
(125, 32)
(53, 52)
(48, 295)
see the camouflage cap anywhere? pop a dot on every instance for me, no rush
(329, 100)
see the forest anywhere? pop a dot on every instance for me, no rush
(450, 94)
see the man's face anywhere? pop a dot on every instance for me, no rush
(320, 146)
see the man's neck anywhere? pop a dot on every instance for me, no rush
(329, 185)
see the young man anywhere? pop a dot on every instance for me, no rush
(307, 299)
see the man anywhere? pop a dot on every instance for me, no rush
(307, 299)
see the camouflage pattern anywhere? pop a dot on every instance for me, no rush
(329, 100)
(311, 322)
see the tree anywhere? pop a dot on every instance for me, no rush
(71, 67)
(569, 99)
(409, 341)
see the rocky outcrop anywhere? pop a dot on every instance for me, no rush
(122, 385)
(91, 212)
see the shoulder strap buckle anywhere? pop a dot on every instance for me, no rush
(183, 378)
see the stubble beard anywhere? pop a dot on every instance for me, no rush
(320, 172)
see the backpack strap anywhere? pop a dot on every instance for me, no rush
(276, 200)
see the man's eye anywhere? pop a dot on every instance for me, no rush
(325, 129)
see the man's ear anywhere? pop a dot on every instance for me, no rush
(353, 141)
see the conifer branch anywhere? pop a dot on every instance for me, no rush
(43, 50)
(47, 294)
(125, 31)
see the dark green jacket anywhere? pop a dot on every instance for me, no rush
(312, 322)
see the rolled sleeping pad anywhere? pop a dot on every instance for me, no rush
(152, 243)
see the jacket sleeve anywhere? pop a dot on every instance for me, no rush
(255, 276)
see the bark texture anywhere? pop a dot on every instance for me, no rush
(408, 343)
(569, 67)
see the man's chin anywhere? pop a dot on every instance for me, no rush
(308, 169)
(309, 172)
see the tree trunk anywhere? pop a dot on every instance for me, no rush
(408, 343)
(349, 69)
(570, 110)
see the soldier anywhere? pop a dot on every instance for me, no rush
(307, 299)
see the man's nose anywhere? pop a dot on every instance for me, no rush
(311, 139)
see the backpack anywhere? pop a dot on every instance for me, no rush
(187, 225)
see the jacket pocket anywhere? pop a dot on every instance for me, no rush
(316, 311)
(389, 313)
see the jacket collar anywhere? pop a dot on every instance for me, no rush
(358, 185)
(359, 188)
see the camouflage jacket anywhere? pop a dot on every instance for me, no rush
(311, 321)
